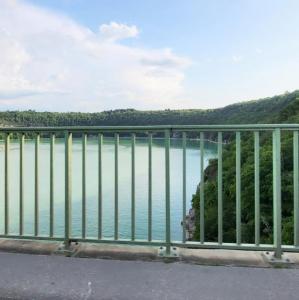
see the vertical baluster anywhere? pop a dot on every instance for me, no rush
(6, 188)
(238, 188)
(201, 192)
(219, 181)
(167, 190)
(150, 142)
(133, 189)
(257, 187)
(277, 193)
(296, 189)
(100, 192)
(84, 141)
(36, 186)
(68, 188)
(21, 213)
(116, 142)
(52, 145)
(184, 187)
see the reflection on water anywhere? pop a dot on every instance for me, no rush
(141, 184)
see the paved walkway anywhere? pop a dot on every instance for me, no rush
(24, 276)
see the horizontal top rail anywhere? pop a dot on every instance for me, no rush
(155, 128)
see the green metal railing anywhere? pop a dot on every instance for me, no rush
(148, 131)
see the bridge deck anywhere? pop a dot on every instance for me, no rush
(24, 276)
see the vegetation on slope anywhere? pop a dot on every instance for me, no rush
(289, 114)
(246, 112)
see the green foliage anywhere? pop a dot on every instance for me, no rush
(288, 114)
(245, 112)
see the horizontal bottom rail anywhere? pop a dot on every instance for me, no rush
(87, 240)
(234, 246)
(30, 237)
(198, 245)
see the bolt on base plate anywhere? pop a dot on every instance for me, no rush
(172, 254)
(270, 258)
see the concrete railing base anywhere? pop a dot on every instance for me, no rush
(147, 253)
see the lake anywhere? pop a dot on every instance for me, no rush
(141, 162)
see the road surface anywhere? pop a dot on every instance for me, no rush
(24, 276)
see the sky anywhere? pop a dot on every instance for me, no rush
(95, 55)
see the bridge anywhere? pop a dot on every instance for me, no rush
(167, 248)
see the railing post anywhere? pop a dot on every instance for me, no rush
(36, 186)
(238, 188)
(277, 193)
(52, 145)
(201, 191)
(68, 193)
(100, 183)
(84, 142)
(167, 190)
(184, 187)
(116, 144)
(219, 188)
(150, 144)
(296, 188)
(21, 190)
(6, 183)
(133, 140)
(257, 187)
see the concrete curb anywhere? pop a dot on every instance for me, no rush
(220, 257)
(120, 252)
(28, 246)
(216, 257)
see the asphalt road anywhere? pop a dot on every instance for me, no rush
(52, 277)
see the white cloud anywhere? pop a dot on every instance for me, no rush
(116, 31)
(50, 62)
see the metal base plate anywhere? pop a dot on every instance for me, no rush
(67, 251)
(172, 254)
(270, 257)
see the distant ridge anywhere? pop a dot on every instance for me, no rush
(266, 110)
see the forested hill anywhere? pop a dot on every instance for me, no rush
(258, 111)
(288, 114)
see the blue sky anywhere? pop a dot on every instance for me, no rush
(147, 54)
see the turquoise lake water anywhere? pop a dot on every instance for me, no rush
(141, 161)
